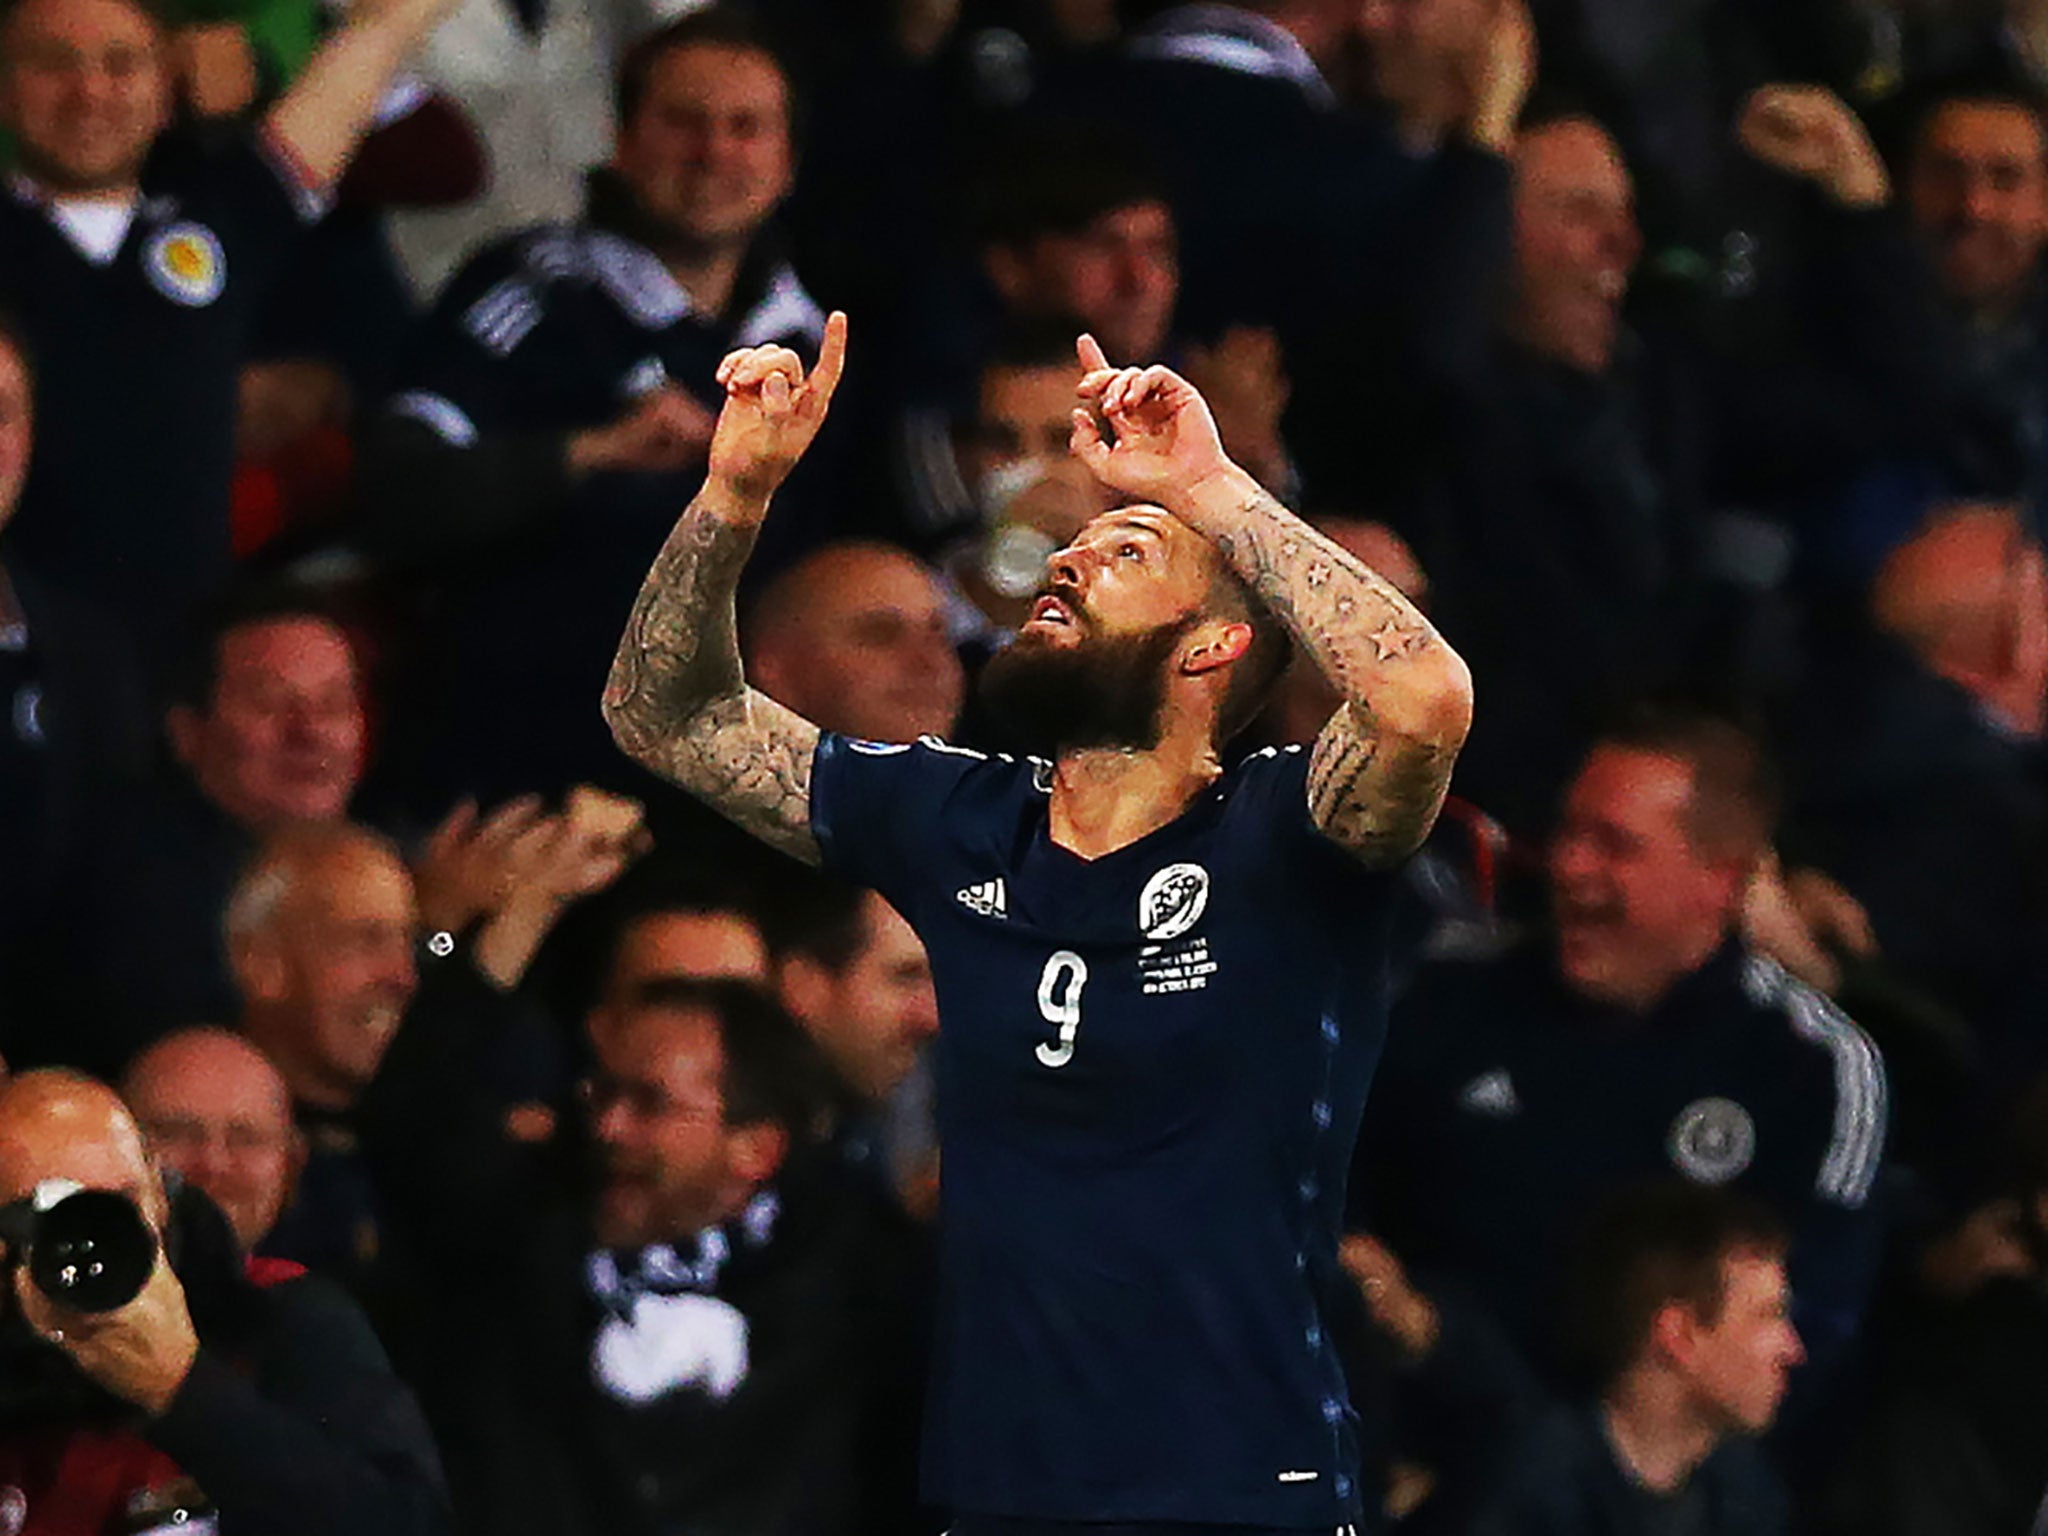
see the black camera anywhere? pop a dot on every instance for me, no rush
(86, 1249)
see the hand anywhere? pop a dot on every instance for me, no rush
(666, 430)
(216, 67)
(586, 848)
(1402, 1312)
(142, 1352)
(1501, 72)
(772, 413)
(1831, 914)
(467, 869)
(1166, 440)
(1246, 385)
(1773, 925)
(1809, 132)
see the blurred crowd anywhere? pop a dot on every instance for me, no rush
(542, 1155)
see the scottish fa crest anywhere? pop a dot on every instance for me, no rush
(1173, 901)
(1713, 1140)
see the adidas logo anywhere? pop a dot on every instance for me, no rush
(1491, 1093)
(987, 898)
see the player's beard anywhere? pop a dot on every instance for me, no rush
(1102, 692)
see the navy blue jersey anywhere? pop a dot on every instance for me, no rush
(1150, 1071)
(138, 359)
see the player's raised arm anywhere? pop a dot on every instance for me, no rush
(1382, 764)
(678, 702)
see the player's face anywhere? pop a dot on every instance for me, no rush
(1129, 572)
(658, 1114)
(84, 90)
(1741, 1364)
(1978, 192)
(1635, 903)
(17, 428)
(708, 153)
(283, 738)
(1576, 242)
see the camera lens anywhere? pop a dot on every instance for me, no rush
(92, 1252)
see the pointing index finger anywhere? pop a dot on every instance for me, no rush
(1093, 359)
(831, 358)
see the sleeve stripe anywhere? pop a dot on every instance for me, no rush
(1855, 1150)
(447, 420)
(1850, 1166)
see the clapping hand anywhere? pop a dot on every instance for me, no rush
(1811, 133)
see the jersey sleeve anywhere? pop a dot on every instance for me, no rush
(1270, 808)
(875, 808)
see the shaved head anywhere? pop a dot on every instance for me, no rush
(63, 1125)
(855, 638)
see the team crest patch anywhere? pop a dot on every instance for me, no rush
(13, 1511)
(1173, 901)
(1713, 1140)
(186, 264)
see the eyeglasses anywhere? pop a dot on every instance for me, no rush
(601, 1091)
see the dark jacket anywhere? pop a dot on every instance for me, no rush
(289, 1424)
(741, 1381)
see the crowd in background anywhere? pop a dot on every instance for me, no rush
(1688, 361)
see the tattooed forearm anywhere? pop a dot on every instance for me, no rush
(1382, 764)
(677, 701)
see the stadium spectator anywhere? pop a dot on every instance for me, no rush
(1976, 187)
(696, 1344)
(1484, 1139)
(76, 728)
(689, 933)
(854, 974)
(1684, 1317)
(136, 260)
(1918, 746)
(1954, 1442)
(1576, 464)
(214, 1111)
(856, 634)
(229, 1392)
(553, 415)
(268, 730)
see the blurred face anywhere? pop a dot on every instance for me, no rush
(339, 974)
(670, 1162)
(17, 428)
(1576, 242)
(282, 740)
(708, 152)
(1120, 277)
(700, 946)
(879, 1011)
(1635, 902)
(1977, 189)
(1740, 1365)
(217, 1113)
(1023, 422)
(1412, 44)
(83, 88)
(870, 655)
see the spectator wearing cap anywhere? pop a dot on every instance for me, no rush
(136, 259)
(554, 415)
(1641, 1039)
